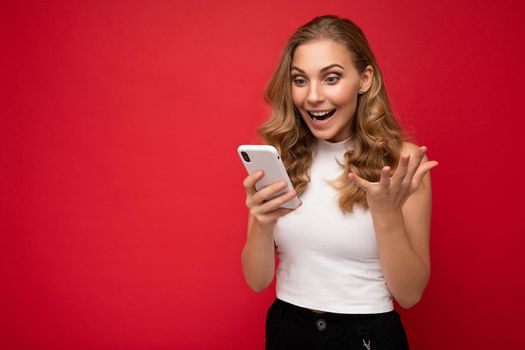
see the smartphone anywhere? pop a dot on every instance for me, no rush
(267, 159)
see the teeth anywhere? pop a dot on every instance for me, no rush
(320, 114)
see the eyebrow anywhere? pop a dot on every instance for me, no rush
(322, 70)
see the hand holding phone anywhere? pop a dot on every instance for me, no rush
(267, 159)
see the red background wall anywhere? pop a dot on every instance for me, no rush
(121, 205)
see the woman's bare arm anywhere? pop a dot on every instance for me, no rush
(258, 254)
(401, 207)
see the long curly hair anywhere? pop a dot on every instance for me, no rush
(377, 137)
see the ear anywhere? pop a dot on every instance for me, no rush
(366, 79)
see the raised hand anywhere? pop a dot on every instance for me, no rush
(390, 193)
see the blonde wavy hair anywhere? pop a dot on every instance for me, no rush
(377, 137)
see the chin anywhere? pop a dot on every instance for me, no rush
(323, 135)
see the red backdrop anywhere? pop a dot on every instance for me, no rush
(122, 209)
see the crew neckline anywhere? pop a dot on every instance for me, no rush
(336, 146)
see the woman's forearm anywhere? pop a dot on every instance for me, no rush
(406, 274)
(258, 257)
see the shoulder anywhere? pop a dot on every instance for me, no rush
(408, 148)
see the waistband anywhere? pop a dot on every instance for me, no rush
(331, 316)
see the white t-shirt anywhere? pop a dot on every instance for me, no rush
(328, 260)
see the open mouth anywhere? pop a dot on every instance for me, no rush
(321, 115)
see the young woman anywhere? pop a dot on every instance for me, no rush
(361, 236)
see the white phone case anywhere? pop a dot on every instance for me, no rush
(266, 158)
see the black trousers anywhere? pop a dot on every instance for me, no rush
(292, 327)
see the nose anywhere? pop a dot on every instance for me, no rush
(315, 94)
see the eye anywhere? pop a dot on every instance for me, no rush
(299, 81)
(332, 79)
